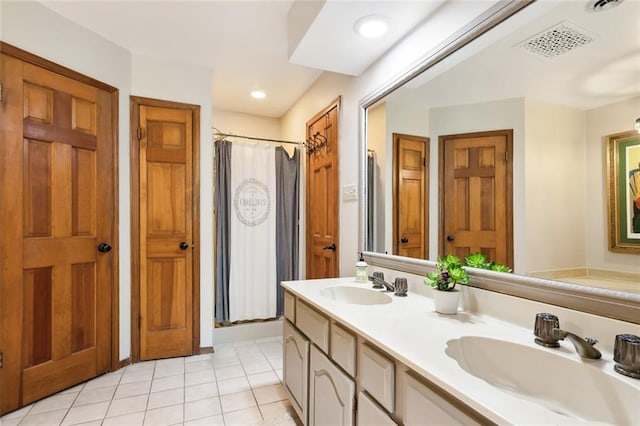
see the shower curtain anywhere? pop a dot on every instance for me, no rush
(256, 229)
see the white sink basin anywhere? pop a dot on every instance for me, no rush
(355, 295)
(576, 389)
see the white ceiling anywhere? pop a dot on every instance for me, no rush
(493, 67)
(246, 43)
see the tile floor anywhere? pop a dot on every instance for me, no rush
(239, 384)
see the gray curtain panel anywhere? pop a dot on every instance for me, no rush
(223, 208)
(287, 188)
(370, 205)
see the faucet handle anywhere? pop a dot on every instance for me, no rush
(626, 354)
(400, 285)
(591, 340)
(543, 330)
(378, 277)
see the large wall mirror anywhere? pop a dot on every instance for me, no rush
(530, 102)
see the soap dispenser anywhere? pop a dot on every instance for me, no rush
(361, 270)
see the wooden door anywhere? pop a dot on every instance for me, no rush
(58, 219)
(322, 194)
(166, 231)
(476, 195)
(410, 196)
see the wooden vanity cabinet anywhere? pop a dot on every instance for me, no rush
(296, 368)
(331, 392)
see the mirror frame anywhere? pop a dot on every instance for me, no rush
(599, 301)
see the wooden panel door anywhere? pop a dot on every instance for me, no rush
(322, 195)
(57, 217)
(476, 195)
(166, 232)
(410, 201)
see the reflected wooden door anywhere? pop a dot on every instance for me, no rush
(322, 195)
(58, 207)
(166, 231)
(476, 195)
(410, 201)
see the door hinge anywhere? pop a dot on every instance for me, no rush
(506, 156)
(139, 133)
(139, 321)
(0, 359)
(1, 97)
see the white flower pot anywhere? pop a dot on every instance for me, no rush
(446, 301)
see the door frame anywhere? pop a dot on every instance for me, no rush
(396, 184)
(134, 151)
(508, 134)
(10, 50)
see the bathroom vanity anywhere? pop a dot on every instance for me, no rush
(354, 355)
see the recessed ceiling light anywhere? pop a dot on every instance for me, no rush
(372, 26)
(258, 94)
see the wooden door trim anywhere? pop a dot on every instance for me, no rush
(134, 151)
(336, 103)
(23, 55)
(508, 134)
(396, 183)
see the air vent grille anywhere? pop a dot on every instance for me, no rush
(557, 41)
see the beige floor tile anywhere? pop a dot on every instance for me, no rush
(73, 389)
(238, 384)
(86, 413)
(131, 376)
(132, 404)
(254, 367)
(202, 408)
(164, 416)
(168, 370)
(195, 366)
(132, 419)
(20, 413)
(261, 380)
(270, 394)
(279, 413)
(10, 422)
(201, 391)
(276, 362)
(196, 358)
(54, 403)
(109, 379)
(165, 398)
(237, 401)
(248, 416)
(226, 361)
(217, 420)
(191, 379)
(44, 419)
(132, 389)
(169, 382)
(144, 365)
(226, 373)
(91, 396)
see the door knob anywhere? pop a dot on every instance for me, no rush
(332, 246)
(450, 238)
(184, 245)
(404, 240)
(104, 248)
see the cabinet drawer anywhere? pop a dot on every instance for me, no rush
(422, 402)
(370, 414)
(313, 324)
(290, 307)
(343, 348)
(377, 375)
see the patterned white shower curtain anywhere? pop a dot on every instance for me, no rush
(252, 218)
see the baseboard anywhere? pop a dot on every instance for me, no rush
(124, 362)
(206, 350)
(248, 331)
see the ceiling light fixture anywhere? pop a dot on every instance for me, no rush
(258, 94)
(372, 26)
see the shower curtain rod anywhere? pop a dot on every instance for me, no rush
(255, 138)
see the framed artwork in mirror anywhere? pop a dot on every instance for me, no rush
(623, 192)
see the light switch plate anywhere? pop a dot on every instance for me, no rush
(350, 192)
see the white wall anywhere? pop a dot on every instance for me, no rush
(555, 189)
(246, 124)
(36, 29)
(607, 120)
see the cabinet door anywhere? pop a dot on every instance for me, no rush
(331, 393)
(421, 403)
(370, 414)
(296, 368)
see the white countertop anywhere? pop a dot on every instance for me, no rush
(410, 330)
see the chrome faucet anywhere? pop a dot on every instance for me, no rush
(584, 347)
(379, 282)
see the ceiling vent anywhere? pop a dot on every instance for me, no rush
(558, 40)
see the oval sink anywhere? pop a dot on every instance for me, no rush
(355, 295)
(571, 388)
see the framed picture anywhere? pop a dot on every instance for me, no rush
(623, 192)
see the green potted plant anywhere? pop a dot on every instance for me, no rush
(448, 273)
(479, 260)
